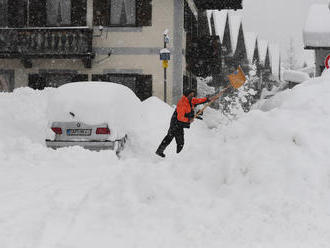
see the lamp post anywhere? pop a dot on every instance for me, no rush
(165, 56)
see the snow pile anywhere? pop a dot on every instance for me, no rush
(317, 27)
(295, 76)
(261, 181)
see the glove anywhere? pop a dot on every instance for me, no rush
(209, 98)
(190, 115)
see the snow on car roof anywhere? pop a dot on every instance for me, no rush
(95, 103)
(317, 26)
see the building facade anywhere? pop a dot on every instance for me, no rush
(47, 43)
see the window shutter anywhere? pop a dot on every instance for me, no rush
(143, 12)
(17, 13)
(37, 11)
(79, 78)
(101, 12)
(78, 12)
(100, 77)
(143, 86)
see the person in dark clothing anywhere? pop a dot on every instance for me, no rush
(181, 118)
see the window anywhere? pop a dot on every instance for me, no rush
(37, 13)
(122, 12)
(58, 12)
(40, 81)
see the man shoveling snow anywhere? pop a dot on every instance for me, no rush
(181, 118)
(184, 113)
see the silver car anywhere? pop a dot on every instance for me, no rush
(92, 137)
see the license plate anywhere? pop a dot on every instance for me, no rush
(79, 132)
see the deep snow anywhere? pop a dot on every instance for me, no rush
(260, 181)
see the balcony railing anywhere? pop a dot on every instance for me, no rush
(51, 42)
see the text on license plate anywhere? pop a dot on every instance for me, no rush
(78, 132)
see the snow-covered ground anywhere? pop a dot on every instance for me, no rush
(261, 181)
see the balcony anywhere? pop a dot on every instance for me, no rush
(48, 43)
(219, 4)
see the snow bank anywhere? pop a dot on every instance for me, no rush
(261, 181)
(317, 27)
(295, 76)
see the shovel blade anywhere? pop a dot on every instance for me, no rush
(238, 78)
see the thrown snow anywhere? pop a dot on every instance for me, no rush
(317, 26)
(261, 181)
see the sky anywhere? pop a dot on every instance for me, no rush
(278, 21)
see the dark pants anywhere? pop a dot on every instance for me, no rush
(175, 131)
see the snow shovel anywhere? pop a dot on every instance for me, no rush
(236, 79)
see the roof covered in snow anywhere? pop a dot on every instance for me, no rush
(317, 27)
(235, 22)
(295, 76)
(250, 43)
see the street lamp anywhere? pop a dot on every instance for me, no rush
(165, 56)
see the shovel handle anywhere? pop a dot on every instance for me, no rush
(212, 101)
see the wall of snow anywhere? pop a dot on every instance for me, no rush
(260, 181)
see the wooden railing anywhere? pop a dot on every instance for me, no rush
(57, 42)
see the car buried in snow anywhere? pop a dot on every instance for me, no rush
(92, 115)
(93, 137)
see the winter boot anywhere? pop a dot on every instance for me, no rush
(179, 148)
(160, 153)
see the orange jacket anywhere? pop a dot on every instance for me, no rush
(184, 108)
